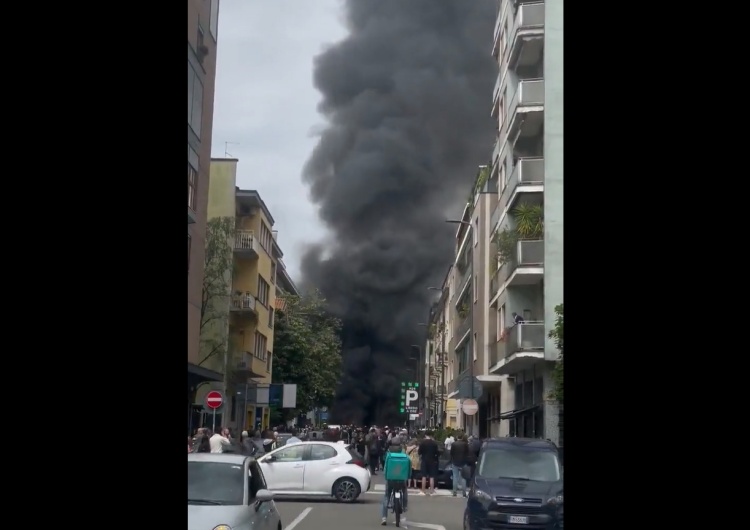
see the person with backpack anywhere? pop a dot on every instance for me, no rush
(396, 469)
(373, 450)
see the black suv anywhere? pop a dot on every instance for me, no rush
(517, 483)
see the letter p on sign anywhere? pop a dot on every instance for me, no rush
(411, 395)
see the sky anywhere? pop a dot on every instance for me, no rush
(265, 106)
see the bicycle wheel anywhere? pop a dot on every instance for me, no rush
(397, 510)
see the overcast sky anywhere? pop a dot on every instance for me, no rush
(265, 104)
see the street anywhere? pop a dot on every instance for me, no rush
(439, 512)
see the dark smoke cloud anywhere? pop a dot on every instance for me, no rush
(407, 95)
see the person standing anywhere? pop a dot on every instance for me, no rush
(459, 458)
(429, 453)
(372, 444)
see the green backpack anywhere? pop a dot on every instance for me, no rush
(397, 466)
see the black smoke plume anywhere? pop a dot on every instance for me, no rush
(407, 96)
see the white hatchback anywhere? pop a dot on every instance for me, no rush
(316, 469)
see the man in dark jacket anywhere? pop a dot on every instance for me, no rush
(372, 444)
(459, 458)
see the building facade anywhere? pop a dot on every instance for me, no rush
(250, 303)
(512, 236)
(203, 16)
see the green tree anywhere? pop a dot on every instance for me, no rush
(557, 334)
(307, 351)
(217, 279)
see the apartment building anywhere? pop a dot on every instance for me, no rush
(203, 18)
(498, 306)
(439, 410)
(526, 235)
(251, 298)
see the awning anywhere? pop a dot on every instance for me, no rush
(513, 413)
(198, 374)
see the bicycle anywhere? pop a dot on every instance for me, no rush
(396, 499)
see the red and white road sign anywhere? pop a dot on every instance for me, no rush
(470, 407)
(214, 399)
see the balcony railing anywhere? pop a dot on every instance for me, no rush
(497, 352)
(245, 301)
(528, 337)
(527, 172)
(245, 240)
(529, 16)
(530, 93)
(528, 253)
(242, 361)
(461, 282)
(463, 327)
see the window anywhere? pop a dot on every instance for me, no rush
(268, 362)
(193, 167)
(195, 101)
(476, 288)
(190, 241)
(475, 231)
(213, 23)
(265, 237)
(273, 272)
(501, 177)
(500, 113)
(474, 346)
(270, 318)
(260, 346)
(541, 466)
(216, 482)
(257, 481)
(263, 288)
(293, 453)
(322, 452)
(200, 38)
(192, 184)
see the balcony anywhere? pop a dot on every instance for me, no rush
(463, 327)
(525, 267)
(527, 177)
(247, 365)
(526, 110)
(463, 279)
(521, 349)
(191, 216)
(527, 40)
(245, 243)
(243, 303)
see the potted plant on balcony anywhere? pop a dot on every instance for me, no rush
(463, 311)
(529, 220)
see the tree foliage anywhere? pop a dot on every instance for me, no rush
(217, 278)
(557, 334)
(307, 351)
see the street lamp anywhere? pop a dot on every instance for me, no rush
(471, 309)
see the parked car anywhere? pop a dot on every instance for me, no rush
(229, 492)
(517, 481)
(316, 469)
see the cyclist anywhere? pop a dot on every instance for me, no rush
(396, 471)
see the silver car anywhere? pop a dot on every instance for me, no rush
(228, 492)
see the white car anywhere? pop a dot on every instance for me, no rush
(317, 469)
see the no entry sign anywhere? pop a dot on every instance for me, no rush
(214, 399)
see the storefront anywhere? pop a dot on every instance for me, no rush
(197, 376)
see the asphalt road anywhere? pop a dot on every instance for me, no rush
(439, 512)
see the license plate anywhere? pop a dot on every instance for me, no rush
(398, 494)
(518, 519)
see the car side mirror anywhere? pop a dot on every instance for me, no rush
(466, 472)
(261, 497)
(270, 458)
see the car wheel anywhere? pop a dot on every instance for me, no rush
(346, 489)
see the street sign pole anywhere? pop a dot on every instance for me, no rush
(213, 424)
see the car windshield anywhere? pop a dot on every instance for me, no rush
(215, 483)
(519, 464)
